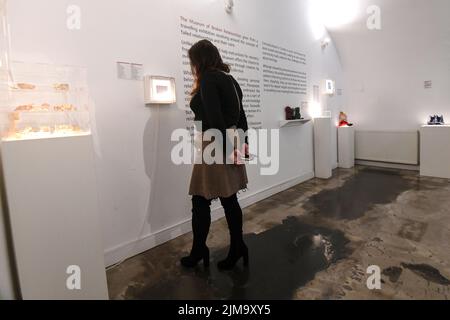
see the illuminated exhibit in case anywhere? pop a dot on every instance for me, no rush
(159, 90)
(44, 101)
(48, 170)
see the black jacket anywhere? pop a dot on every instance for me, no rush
(218, 104)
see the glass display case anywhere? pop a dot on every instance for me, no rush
(44, 101)
(4, 37)
(4, 56)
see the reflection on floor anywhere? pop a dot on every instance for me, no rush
(316, 241)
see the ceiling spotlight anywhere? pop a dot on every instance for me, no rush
(229, 4)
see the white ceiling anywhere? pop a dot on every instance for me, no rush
(409, 29)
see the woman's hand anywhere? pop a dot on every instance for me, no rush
(236, 157)
(198, 140)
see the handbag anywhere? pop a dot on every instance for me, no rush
(232, 133)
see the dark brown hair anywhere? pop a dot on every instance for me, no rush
(205, 56)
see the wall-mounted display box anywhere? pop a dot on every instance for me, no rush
(329, 87)
(159, 90)
(48, 170)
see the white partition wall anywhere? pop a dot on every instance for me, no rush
(401, 147)
(52, 197)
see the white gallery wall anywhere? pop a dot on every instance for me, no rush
(133, 141)
(385, 70)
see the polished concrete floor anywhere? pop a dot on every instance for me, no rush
(316, 241)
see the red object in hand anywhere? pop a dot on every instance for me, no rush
(246, 151)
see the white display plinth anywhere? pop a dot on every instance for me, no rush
(322, 147)
(52, 197)
(435, 151)
(346, 147)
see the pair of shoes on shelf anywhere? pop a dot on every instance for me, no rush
(292, 113)
(436, 120)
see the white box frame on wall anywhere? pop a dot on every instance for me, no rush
(159, 90)
(329, 87)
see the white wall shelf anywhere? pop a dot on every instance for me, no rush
(290, 123)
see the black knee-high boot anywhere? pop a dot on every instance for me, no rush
(238, 249)
(201, 221)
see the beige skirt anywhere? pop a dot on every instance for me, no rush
(212, 181)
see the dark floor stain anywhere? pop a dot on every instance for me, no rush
(427, 272)
(413, 230)
(393, 273)
(282, 260)
(359, 194)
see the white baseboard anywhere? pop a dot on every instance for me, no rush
(132, 248)
(388, 165)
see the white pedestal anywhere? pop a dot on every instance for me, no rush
(52, 197)
(7, 285)
(435, 151)
(346, 147)
(322, 147)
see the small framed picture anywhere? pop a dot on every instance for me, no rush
(329, 87)
(159, 90)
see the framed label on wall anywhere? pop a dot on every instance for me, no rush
(129, 71)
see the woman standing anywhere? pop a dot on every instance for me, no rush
(217, 103)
